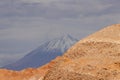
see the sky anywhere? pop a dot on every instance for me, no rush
(25, 24)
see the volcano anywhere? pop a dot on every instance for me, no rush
(44, 53)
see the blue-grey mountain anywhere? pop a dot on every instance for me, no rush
(44, 54)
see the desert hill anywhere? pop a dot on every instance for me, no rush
(96, 57)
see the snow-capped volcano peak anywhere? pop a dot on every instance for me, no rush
(44, 54)
(61, 44)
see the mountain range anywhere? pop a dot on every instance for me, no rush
(44, 53)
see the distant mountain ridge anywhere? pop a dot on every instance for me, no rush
(43, 54)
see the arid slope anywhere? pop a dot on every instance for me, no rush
(96, 57)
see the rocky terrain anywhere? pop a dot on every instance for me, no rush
(96, 57)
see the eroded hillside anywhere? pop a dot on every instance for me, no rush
(96, 57)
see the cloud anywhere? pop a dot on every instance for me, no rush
(58, 9)
(20, 16)
(54, 9)
(39, 1)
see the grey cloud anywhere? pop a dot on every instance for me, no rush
(58, 9)
(3, 26)
(116, 2)
(6, 43)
